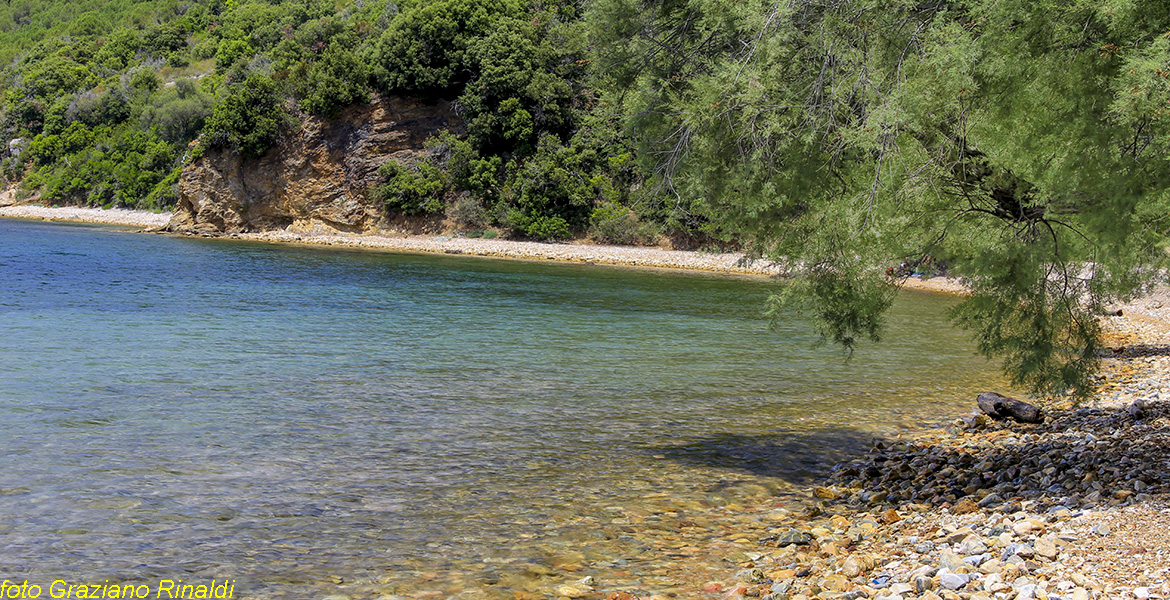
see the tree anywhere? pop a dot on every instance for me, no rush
(249, 117)
(426, 49)
(1022, 142)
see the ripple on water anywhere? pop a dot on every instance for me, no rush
(315, 422)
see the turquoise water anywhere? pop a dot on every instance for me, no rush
(309, 422)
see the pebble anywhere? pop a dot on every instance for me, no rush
(1046, 547)
(972, 545)
(794, 537)
(950, 561)
(1026, 592)
(954, 581)
(569, 591)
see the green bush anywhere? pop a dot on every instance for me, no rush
(548, 228)
(164, 39)
(425, 49)
(229, 52)
(337, 79)
(615, 224)
(411, 189)
(548, 196)
(465, 168)
(204, 50)
(118, 50)
(125, 169)
(178, 113)
(249, 117)
(467, 212)
(109, 108)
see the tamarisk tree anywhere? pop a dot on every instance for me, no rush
(1023, 142)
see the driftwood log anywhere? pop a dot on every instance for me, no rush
(1002, 407)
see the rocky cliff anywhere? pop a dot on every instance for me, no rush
(317, 176)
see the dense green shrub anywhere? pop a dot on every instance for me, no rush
(164, 39)
(524, 88)
(117, 52)
(425, 49)
(249, 117)
(615, 224)
(123, 170)
(548, 196)
(546, 227)
(337, 79)
(414, 189)
(179, 113)
(465, 168)
(229, 52)
(468, 212)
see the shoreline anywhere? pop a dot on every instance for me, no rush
(590, 254)
(1074, 508)
(926, 515)
(104, 216)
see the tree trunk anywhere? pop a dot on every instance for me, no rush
(1002, 407)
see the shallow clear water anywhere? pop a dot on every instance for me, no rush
(305, 420)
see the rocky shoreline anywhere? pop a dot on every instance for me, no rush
(1071, 509)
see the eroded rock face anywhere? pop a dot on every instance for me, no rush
(316, 177)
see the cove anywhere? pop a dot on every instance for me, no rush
(309, 422)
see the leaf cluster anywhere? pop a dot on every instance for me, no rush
(1021, 142)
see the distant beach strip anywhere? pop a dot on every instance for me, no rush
(636, 256)
(110, 216)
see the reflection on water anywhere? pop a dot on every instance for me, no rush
(310, 421)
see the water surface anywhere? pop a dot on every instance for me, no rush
(310, 421)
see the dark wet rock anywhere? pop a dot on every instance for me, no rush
(991, 499)
(793, 536)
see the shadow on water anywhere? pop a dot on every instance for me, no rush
(799, 458)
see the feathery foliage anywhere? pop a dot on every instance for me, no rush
(1022, 143)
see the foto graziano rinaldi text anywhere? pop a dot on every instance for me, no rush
(165, 588)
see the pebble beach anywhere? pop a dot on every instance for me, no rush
(440, 244)
(1074, 508)
(106, 216)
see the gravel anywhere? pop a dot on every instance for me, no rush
(1075, 508)
(111, 216)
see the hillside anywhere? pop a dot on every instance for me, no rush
(105, 103)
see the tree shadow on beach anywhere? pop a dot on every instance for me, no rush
(1136, 350)
(797, 457)
(1077, 457)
